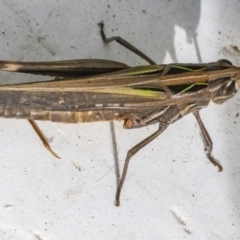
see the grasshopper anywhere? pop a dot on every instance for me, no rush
(102, 90)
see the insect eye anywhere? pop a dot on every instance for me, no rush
(228, 89)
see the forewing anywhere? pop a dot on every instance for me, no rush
(67, 68)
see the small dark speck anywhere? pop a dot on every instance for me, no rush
(109, 6)
(219, 32)
(114, 15)
(237, 114)
(3, 32)
(144, 11)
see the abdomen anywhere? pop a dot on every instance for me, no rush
(61, 116)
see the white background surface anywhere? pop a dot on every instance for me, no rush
(171, 190)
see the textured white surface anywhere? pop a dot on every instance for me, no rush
(171, 190)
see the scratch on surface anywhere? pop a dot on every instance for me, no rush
(26, 19)
(72, 192)
(12, 232)
(50, 139)
(39, 236)
(236, 49)
(181, 220)
(41, 41)
(77, 166)
(232, 50)
(236, 171)
(105, 174)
